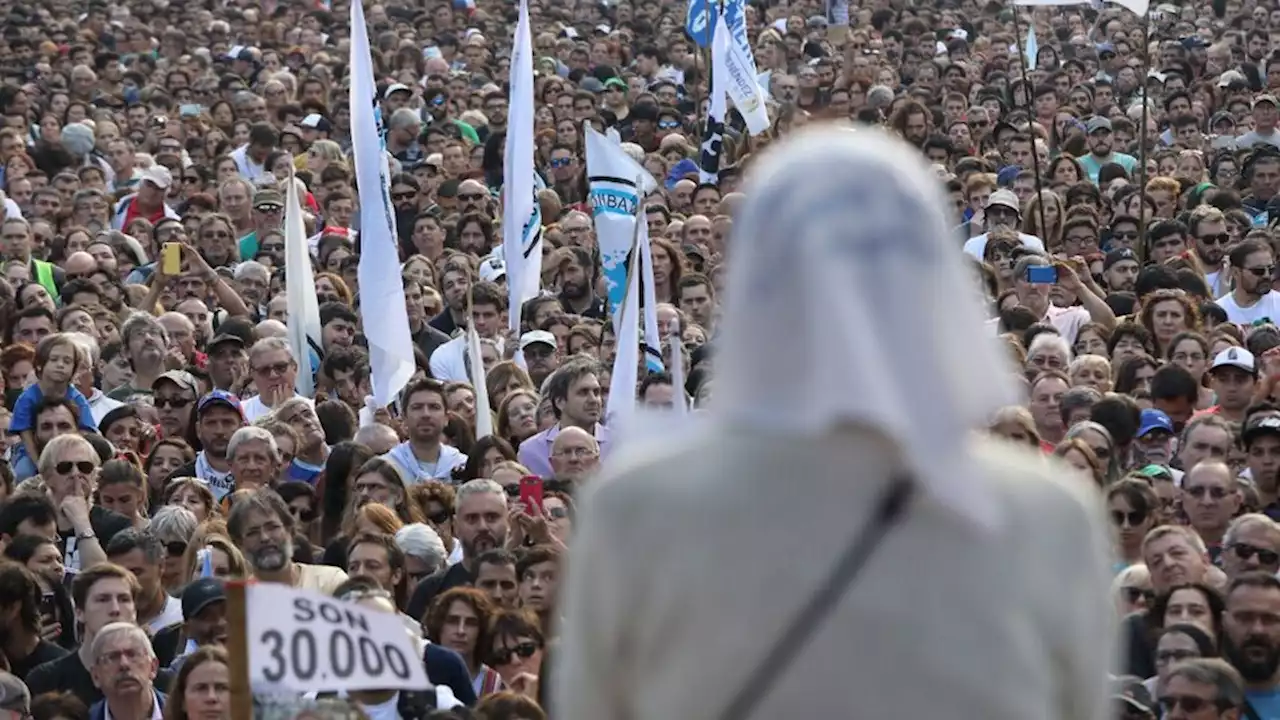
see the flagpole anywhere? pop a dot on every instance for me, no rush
(1142, 141)
(1029, 92)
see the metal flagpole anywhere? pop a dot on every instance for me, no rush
(1142, 141)
(1031, 116)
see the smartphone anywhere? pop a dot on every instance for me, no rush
(189, 110)
(531, 493)
(1042, 275)
(49, 605)
(171, 256)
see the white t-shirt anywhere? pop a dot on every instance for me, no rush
(254, 408)
(976, 245)
(1266, 308)
(171, 614)
(249, 169)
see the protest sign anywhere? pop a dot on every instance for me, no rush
(300, 641)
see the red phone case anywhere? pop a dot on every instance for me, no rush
(531, 492)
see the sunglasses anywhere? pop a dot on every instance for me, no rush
(279, 368)
(1265, 271)
(1266, 557)
(176, 548)
(1218, 239)
(501, 657)
(1217, 493)
(1125, 235)
(1134, 518)
(439, 518)
(560, 162)
(404, 196)
(84, 466)
(1133, 594)
(174, 402)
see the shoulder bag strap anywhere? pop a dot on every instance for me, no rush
(890, 509)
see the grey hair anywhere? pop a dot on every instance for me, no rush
(1050, 341)
(1240, 523)
(292, 404)
(1226, 681)
(404, 117)
(422, 542)
(173, 523)
(270, 344)
(110, 630)
(57, 446)
(252, 433)
(479, 486)
(251, 267)
(138, 322)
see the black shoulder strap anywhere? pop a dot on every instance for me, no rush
(890, 508)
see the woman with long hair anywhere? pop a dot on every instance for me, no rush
(1165, 313)
(459, 620)
(485, 456)
(202, 690)
(379, 502)
(1051, 231)
(518, 417)
(345, 460)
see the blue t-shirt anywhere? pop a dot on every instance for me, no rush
(1265, 703)
(303, 472)
(24, 410)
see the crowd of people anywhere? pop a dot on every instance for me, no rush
(1116, 191)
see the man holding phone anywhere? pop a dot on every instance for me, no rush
(1035, 276)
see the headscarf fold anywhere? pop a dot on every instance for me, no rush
(845, 258)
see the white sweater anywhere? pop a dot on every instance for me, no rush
(692, 556)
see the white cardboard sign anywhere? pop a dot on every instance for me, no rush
(302, 641)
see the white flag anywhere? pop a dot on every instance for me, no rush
(617, 186)
(1138, 7)
(484, 415)
(382, 309)
(677, 374)
(300, 292)
(622, 386)
(740, 79)
(521, 214)
(652, 341)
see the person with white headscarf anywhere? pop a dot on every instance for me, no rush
(832, 539)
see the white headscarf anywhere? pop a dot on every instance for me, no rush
(849, 301)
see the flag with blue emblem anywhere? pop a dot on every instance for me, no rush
(700, 21)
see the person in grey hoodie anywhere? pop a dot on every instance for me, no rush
(423, 456)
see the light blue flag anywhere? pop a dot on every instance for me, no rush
(1031, 47)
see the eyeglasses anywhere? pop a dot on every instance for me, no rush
(560, 162)
(176, 548)
(279, 368)
(1265, 271)
(1125, 235)
(171, 402)
(1133, 594)
(404, 195)
(471, 197)
(1217, 493)
(1266, 557)
(577, 452)
(1134, 518)
(84, 467)
(501, 657)
(557, 513)
(1218, 239)
(1189, 703)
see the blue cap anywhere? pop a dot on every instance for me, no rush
(1152, 420)
(1007, 174)
(1106, 47)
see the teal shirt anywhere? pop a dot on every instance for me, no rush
(249, 246)
(1092, 166)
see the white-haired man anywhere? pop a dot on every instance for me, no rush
(254, 458)
(124, 669)
(275, 374)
